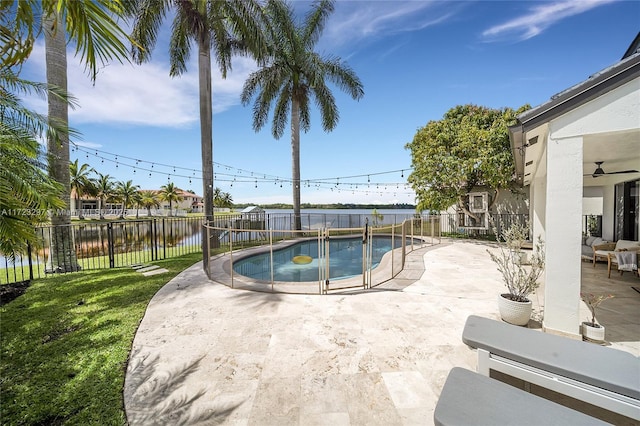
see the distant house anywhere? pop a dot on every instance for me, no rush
(579, 153)
(189, 203)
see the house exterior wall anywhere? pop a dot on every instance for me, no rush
(557, 197)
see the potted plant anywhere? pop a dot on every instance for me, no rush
(590, 329)
(519, 272)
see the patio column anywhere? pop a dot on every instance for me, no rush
(562, 237)
(537, 195)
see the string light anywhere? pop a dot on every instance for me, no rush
(237, 177)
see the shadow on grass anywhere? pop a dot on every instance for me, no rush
(160, 397)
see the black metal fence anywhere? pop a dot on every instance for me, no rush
(102, 245)
(450, 225)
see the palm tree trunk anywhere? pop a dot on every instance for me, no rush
(78, 206)
(206, 136)
(100, 205)
(62, 253)
(206, 124)
(295, 161)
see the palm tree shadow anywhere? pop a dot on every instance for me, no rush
(162, 398)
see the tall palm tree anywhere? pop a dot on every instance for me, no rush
(170, 193)
(98, 39)
(126, 192)
(148, 200)
(81, 182)
(104, 191)
(294, 76)
(225, 27)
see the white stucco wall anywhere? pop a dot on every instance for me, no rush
(563, 216)
(617, 110)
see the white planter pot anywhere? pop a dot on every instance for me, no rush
(594, 334)
(516, 313)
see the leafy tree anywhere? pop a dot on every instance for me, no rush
(104, 190)
(469, 147)
(126, 192)
(148, 200)
(224, 27)
(170, 193)
(81, 182)
(293, 76)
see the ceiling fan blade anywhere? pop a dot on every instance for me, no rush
(621, 172)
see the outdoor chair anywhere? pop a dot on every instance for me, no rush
(629, 259)
(602, 251)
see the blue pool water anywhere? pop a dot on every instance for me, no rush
(345, 260)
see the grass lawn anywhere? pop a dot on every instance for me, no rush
(65, 344)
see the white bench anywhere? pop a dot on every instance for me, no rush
(597, 375)
(469, 398)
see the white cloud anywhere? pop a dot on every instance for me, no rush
(356, 20)
(539, 18)
(145, 94)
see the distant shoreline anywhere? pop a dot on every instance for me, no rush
(337, 206)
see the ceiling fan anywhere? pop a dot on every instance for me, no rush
(600, 172)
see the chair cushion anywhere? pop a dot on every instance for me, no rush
(597, 241)
(590, 241)
(626, 244)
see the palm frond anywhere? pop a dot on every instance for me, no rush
(98, 37)
(148, 16)
(315, 22)
(281, 111)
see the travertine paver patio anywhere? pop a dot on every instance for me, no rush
(205, 352)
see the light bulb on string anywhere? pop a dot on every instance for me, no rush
(402, 174)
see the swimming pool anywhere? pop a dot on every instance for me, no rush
(345, 260)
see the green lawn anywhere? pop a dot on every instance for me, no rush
(65, 344)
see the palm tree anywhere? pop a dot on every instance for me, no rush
(170, 193)
(226, 200)
(293, 76)
(81, 182)
(136, 200)
(104, 190)
(217, 197)
(148, 200)
(126, 192)
(226, 27)
(26, 192)
(98, 38)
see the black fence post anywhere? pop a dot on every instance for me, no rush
(110, 245)
(30, 262)
(153, 240)
(164, 240)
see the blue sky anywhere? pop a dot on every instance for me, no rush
(416, 59)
